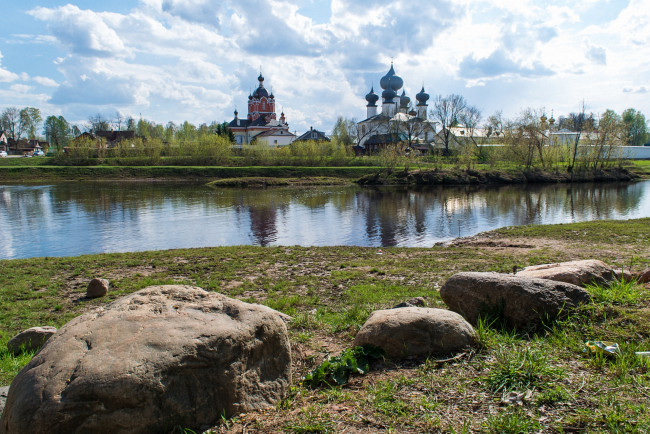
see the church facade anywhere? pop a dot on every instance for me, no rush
(261, 124)
(398, 121)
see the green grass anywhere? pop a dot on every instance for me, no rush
(330, 292)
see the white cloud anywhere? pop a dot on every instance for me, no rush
(45, 81)
(6, 76)
(85, 31)
(198, 59)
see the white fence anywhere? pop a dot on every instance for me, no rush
(635, 152)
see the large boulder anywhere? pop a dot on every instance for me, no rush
(416, 332)
(3, 397)
(579, 273)
(31, 339)
(520, 301)
(163, 357)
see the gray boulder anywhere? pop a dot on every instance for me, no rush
(413, 302)
(163, 357)
(97, 288)
(575, 272)
(31, 339)
(520, 301)
(416, 332)
(3, 398)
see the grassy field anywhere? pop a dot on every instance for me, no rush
(41, 169)
(330, 291)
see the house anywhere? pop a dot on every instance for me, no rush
(27, 146)
(261, 119)
(398, 121)
(275, 137)
(313, 134)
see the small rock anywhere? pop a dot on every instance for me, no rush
(414, 302)
(97, 288)
(644, 276)
(416, 332)
(520, 301)
(578, 273)
(31, 339)
(623, 275)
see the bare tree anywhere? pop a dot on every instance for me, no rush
(10, 121)
(448, 111)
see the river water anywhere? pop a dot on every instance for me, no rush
(77, 218)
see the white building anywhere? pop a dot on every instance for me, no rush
(398, 121)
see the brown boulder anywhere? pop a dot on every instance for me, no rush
(578, 273)
(163, 357)
(31, 339)
(416, 332)
(520, 301)
(97, 288)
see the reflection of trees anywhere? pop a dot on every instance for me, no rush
(381, 216)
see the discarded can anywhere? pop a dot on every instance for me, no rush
(603, 347)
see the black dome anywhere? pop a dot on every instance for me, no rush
(422, 97)
(372, 98)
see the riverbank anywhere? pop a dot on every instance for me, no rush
(37, 170)
(330, 291)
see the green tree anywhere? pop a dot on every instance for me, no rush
(57, 132)
(635, 127)
(30, 119)
(345, 131)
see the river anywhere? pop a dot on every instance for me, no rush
(70, 219)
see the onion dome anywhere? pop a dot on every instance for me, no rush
(236, 112)
(422, 97)
(391, 80)
(385, 80)
(250, 96)
(404, 100)
(372, 98)
(388, 95)
(260, 78)
(271, 96)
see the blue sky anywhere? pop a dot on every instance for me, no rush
(197, 60)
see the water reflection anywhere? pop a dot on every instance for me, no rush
(76, 218)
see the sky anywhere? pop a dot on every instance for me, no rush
(198, 60)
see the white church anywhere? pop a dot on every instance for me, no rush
(398, 121)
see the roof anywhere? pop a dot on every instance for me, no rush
(271, 133)
(380, 139)
(313, 134)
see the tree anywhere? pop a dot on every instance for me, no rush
(446, 112)
(635, 127)
(345, 131)
(130, 124)
(98, 123)
(57, 132)
(30, 119)
(224, 130)
(610, 134)
(10, 121)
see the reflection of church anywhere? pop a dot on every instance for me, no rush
(398, 120)
(261, 124)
